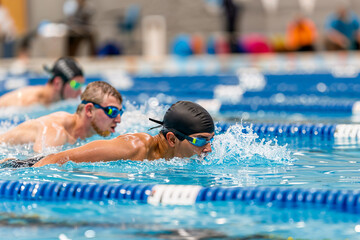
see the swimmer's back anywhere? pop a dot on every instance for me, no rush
(28, 131)
(23, 97)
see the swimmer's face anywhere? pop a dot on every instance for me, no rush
(186, 149)
(70, 92)
(102, 123)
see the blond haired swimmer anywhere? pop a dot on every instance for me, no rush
(98, 113)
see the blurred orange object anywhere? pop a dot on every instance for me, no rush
(301, 34)
(197, 44)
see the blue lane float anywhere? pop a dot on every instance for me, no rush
(54, 191)
(318, 105)
(328, 131)
(341, 200)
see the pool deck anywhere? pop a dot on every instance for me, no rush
(207, 64)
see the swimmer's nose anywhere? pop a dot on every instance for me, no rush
(118, 118)
(207, 148)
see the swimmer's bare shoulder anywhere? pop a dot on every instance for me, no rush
(60, 118)
(134, 146)
(22, 97)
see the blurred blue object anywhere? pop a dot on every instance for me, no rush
(9, 49)
(130, 20)
(41, 26)
(110, 49)
(210, 45)
(182, 45)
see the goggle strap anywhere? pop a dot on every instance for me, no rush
(156, 121)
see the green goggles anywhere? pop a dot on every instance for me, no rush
(110, 111)
(196, 141)
(75, 84)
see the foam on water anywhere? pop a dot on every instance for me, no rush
(136, 118)
(236, 147)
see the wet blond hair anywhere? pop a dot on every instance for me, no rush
(96, 92)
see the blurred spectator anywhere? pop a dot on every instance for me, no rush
(342, 30)
(79, 15)
(128, 24)
(20, 65)
(7, 33)
(232, 12)
(301, 34)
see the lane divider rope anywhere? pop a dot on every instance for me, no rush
(342, 200)
(337, 131)
(328, 106)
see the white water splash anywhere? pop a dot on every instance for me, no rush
(136, 119)
(236, 147)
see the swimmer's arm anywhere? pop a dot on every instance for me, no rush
(96, 151)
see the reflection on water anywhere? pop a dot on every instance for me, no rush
(226, 220)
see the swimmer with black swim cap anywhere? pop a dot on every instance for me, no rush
(187, 131)
(186, 118)
(65, 82)
(68, 70)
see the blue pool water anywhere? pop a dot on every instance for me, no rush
(238, 160)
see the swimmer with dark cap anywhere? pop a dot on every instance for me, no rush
(65, 82)
(187, 129)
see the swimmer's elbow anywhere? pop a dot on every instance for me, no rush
(51, 159)
(40, 163)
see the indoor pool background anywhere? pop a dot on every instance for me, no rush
(241, 157)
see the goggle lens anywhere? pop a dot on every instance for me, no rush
(112, 111)
(75, 84)
(196, 141)
(199, 142)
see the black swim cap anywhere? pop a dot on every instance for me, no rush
(187, 118)
(66, 68)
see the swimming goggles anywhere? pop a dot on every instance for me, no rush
(196, 141)
(75, 84)
(110, 111)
